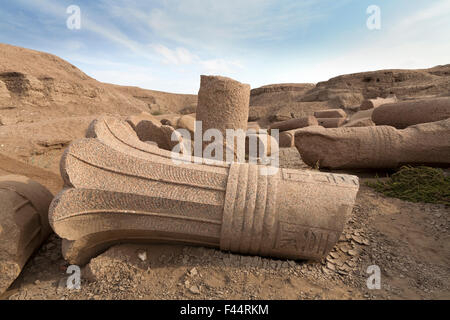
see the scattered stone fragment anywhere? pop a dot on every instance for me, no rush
(364, 122)
(193, 272)
(153, 130)
(375, 147)
(287, 139)
(142, 255)
(361, 115)
(292, 124)
(331, 266)
(23, 224)
(331, 122)
(408, 113)
(134, 120)
(262, 145)
(330, 113)
(194, 290)
(187, 122)
(374, 103)
(253, 126)
(170, 120)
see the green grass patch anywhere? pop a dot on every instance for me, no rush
(416, 184)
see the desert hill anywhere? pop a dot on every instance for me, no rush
(35, 86)
(284, 101)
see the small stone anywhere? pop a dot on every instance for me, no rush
(193, 272)
(331, 266)
(37, 282)
(142, 255)
(194, 290)
(352, 252)
(334, 254)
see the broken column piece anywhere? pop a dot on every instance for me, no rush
(375, 103)
(330, 113)
(23, 224)
(375, 147)
(135, 119)
(119, 189)
(287, 138)
(407, 113)
(223, 103)
(364, 122)
(148, 128)
(292, 124)
(331, 122)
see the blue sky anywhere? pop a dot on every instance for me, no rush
(167, 44)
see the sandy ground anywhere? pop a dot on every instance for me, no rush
(408, 242)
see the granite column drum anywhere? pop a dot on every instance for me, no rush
(24, 224)
(119, 189)
(407, 113)
(376, 146)
(223, 103)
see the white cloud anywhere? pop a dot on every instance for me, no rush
(182, 56)
(220, 66)
(177, 57)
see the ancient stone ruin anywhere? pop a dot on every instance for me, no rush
(148, 128)
(223, 103)
(330, 113)
(23, 224)
(121, 189)
(376, 146)
(408, 113)
(331, 122)
(375, 103)
(295, 124)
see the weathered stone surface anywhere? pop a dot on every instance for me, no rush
(150, 129)
(260, 112)
(169, 120)
(223, 103)
(187, 122)
(408, 113)
(4, 93)
(361, 115)
(23, 224)
(331, 122)
(375, 103)
(364, 122)
(375, 147)
(295, 123)
(330, 113)
(119, 189)
(135, 119)
(253, 125)
(263, 145)
(338, 98)
(286, 139)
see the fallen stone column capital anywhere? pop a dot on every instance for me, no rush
(119, 189)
